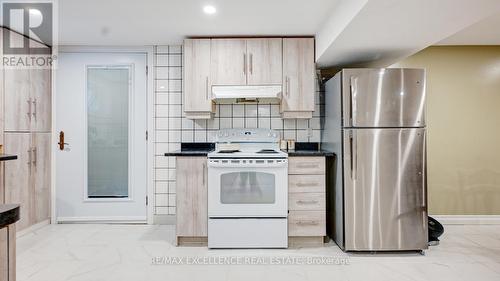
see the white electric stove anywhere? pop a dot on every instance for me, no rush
(247, 190)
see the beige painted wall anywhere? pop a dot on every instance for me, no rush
(463, 121)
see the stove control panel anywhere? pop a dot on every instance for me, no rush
(248, 135)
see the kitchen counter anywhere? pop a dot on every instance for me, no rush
(305, 152)
(9, 214)
(5, 157)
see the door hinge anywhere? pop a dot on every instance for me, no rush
(146, 135)
(146, 200)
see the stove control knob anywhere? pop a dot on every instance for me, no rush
(220, 134)
(226, 134)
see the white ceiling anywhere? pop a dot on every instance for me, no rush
(485, 32)
(385, 31)
(151, 22)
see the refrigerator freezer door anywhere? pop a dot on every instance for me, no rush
(385, 189)
(391, 97)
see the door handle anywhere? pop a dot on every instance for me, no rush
(305, 202)
(61, 142)
(354, 155)
(251, 63)
(206, 87)
(34, 109)
(29, 108)
(244, 63)
(352, 104)
(29, 157)
(34, 156)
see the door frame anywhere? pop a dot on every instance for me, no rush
(149, 52)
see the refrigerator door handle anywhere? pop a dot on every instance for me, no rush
(352, 104)
(354, 155)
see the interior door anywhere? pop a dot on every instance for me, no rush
(18, 188)
(101, 109)
(384, 97)
(385, 189)
(265, 61)
(228, 62)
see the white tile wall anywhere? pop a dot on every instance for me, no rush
(172, 127)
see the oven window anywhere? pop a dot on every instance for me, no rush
(248, 188)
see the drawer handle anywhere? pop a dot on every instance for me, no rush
(302, 184)
(304, 202)
(307, 223)
(305, 165)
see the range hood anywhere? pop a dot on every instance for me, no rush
(246, 92)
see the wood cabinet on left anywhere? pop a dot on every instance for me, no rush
(27, 179)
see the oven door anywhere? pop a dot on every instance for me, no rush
(247, 188)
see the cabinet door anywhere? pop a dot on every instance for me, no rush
(298, 77)
(40, 84)
(265, 61)
(228, 62)
(17, 176)
(191, 196)
(18, 103)
(41, 176)
(197, 93)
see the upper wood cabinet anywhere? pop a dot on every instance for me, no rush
(298, 78)
(197, 94)
(286, 62)
(265, 61)
(254, 61)
(229, 62)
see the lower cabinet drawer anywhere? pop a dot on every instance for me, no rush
(307, 223)
(306, 165)
(307, 201)
(306, 183)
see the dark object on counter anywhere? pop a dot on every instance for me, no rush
(9, 214)
(314, 146)
(436, 229)
(5, 157)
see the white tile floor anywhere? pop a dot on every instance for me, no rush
(125, 252)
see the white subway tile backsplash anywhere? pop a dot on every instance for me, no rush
(161, 110)
(251, 123)
(265, 123)
(225, 110)
(238, 110)
(171, 128)
(225, 123)
(238, 122)
(162, 72)
(250, 110)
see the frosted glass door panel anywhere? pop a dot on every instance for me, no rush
(108, 91)
(248, 188)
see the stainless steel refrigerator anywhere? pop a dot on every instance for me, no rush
(375, 123)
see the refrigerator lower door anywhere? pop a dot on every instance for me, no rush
(385, 189)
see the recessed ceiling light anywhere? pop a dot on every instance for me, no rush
(210, 10)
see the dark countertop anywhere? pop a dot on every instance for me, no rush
(320, 152)
(9, 214)
(202, 149)
(200, 152)
(5, 157)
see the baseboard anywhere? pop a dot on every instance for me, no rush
(467, 219)
(119, 220)
(32, 228)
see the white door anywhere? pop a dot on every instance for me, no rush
(101, 110)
